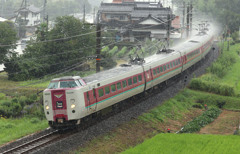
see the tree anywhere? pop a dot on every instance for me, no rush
(8, 39)
(67, 44)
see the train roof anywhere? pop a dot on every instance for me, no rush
(66, 78)
(110, 73)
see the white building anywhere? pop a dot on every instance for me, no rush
(30, 14)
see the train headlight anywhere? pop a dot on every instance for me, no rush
(47, 107)
(73, 106)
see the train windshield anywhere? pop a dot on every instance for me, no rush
(53, 85)
(64, 84)
(68, 84)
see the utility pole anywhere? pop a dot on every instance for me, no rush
(25, 13)
(98, 45)
(188, 10)
(191, 17)
(84, 13)
(2, 8)
(94, 16)
(47, 22)
(168, 27)
(183, 18)
(44, 9)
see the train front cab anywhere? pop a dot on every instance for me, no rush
(62, 105)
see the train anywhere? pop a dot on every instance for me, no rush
(69, 100)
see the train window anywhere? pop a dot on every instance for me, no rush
(100, 92)
(154, 72)
(130, 81)
(88, 97)
(82, 83)
(168, 66)
(124, 83)
(140, 78)
(164, 67)
(171, 65)
(53, 85)
(179, 61)
(68, 84)
(134, 79)
(119, 85)
(158, 71)
(107, 90)
(113, 87)
(176, 62)
(161, 69)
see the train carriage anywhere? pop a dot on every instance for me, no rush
(68, 100)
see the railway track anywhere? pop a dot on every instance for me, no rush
(34, 144)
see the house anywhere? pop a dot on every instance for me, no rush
(29, 16)
(131, 18)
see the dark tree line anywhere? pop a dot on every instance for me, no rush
(67, 44)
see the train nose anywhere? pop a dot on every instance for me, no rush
(59, 106)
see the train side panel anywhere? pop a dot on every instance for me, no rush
(114, 90)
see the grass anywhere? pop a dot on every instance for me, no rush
(230, 103)
(31, 86)
(172, 108)
(232, 77)
(188, 143)
(12, 129)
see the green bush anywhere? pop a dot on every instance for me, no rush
(2, 96)
(34, 110)
(113, 50)
(22, 100)
(196, 124)
(132, 51)
(223, 64)
(199, 106)
(105, 50)
(217, 88)
(122, 52)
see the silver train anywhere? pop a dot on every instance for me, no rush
(68, 100)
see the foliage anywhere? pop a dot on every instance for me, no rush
(223, 64)
(67, 50)
(187, 143)
(12, 129)
(2, 96)
(108, 62)
(225, 102)
(113, 50)
(8, 38)
(226, 12)
(213, 87)
(196, 124)
(105, 50)
(132, 51)
(170, 109)
(122, 52)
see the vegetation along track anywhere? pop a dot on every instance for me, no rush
(106, 123)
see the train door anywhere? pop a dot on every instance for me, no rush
(92, 100)
(149, 78)
(185, 59)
